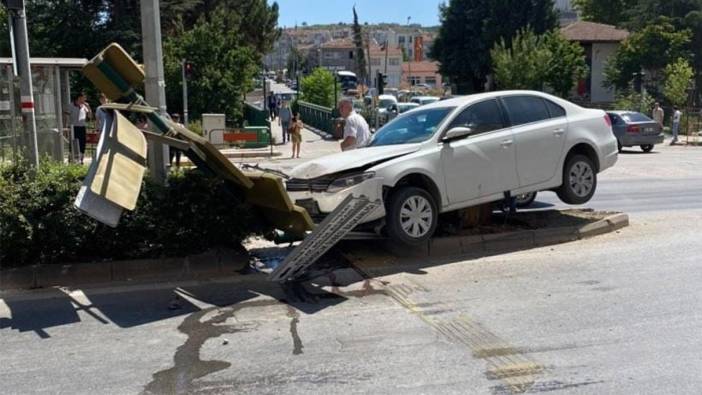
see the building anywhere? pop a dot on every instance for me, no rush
(600, 43)
(336, 55)
(425, 72)
(387, 61)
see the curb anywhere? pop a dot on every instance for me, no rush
(195, 267)
(511, 241)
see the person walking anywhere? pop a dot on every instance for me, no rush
(677, 116)
(272, 106)
(296, 126)
(79, 112)
(284, 118)
(172, 151)
(356, 130)
(658, 114)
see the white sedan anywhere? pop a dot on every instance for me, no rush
(463, 152)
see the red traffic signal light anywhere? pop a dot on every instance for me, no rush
(189, 69)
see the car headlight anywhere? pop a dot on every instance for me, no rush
(349, 181)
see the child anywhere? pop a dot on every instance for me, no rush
(296, 135)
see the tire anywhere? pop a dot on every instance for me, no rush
(579, 180)
(525, 199)
(647, 147)
(412, 216)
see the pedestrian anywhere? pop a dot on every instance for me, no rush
(284, 118)
(677, 116)
(356, 130)
(296, 126)
(103, 117)
(79, 111)
(272, 106)
(658, 114)
(172, 151)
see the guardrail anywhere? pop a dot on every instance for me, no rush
(318, 117)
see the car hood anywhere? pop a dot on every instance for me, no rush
(350, 160)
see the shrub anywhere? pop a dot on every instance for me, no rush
(39, 224)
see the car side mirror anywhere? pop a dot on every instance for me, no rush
(457, 133)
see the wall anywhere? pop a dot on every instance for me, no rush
(600, 54)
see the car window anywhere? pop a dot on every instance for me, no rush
(636, 117)
(480, 117)
(412, 127)
(525, 109)
(616, 120)
(554, 109)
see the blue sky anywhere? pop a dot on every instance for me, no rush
(424, 12)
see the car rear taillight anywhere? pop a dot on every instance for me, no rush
(633, 129)
(608, 120)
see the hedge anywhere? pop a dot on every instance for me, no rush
(39, 224)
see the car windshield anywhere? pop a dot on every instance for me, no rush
(413, 127)
(385, 103)
(635, 117)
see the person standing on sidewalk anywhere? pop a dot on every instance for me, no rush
(284, 119)
(356, 131)
(79, 111)
(102, 116)
(677, 116)
(296, 135)
(658, 114)
(272, 106)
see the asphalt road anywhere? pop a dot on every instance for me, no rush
(620, 313)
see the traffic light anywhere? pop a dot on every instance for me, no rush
(381, 82)
(188, 70)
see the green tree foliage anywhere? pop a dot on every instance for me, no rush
(224, 66)
(650, 49)
(631, 100)
(360, 58)
(537, 62)
(318, 88)
(611, 12)
(470, 28)
(678, 76)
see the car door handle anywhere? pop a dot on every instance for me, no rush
(559, 132)
(507, 143)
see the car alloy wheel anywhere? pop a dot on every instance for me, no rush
(582, 178)
(525, 199)
(416, 216)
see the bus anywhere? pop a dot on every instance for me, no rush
(347, 80)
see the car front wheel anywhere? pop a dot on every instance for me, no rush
(579, 180)
(647, 147)
(412, 216)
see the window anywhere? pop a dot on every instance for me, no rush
(481, 117)
(525, 109)
(375, 61)
(430, 81)
(394, 61)
(401, 40)
(350, 54)
(636, 117)
(415, 80)
(330, 55)
(554, 109)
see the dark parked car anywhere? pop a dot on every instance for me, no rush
(633, 128)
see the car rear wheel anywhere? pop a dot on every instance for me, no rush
(412, 216)
(525, 199)
(579, 180)
(647, 147)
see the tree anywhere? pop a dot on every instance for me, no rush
(318, 88)
(566, 63)
(650, 49)
(611, 12)
(534, 62)
(523, 65)
(358, 44)
(678, 76)
(224, 64)
(470, 28)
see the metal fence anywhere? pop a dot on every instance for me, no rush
(256, 116)
(318, 117)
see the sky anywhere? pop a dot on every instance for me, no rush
(424, 12)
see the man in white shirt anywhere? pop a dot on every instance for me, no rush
(677, 116)
(79, 111)
(356, 131)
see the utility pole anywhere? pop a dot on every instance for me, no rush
(154, 83)
(185, 94)
(409, 63)
(20, 42)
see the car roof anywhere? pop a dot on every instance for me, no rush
(381, 97)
